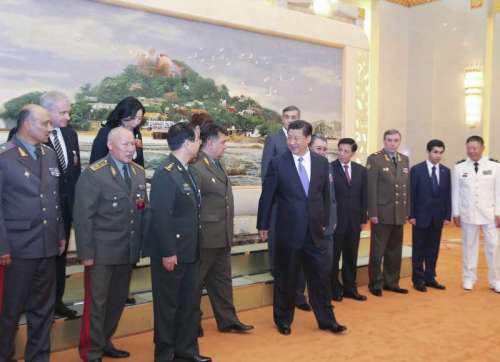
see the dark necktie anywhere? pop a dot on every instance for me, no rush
(126, 177)
(219, 165)
(434, 181)
(476, 166)
(38, 151)
(394, 161)
(346, 170)
(59, 151)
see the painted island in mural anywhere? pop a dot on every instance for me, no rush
(99, 54)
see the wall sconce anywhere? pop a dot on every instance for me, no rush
(473, 84)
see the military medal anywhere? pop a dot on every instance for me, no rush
(140, 204)
(54, 171)
(26, 173)
(213, 180)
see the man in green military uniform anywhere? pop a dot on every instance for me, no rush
(388, 209)
(109, 206)
(174, 247)
(217, 226)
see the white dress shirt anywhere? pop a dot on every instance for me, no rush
(61, 142)
(285, 131)
(306, 162)
(429, 169)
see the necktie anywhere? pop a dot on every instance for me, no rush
(219, 165)
(394, 161)
(303, 176)
(434, 181)
(346, 171)
(476, 166)
(126, 177)
(59, 151)
(38, 151)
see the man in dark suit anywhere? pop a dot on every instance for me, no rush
(430, 184)
(350, 183)
(217, 225)
(173, 243)
(298, 181)
(110, 202)
(31, 234)
(275, 145)
(64, 140)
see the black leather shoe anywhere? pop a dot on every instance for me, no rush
(420, 287)
(115, 353)
(434, 284)
(355, 296)
(284, 329)
(237, 327)
(396, 290)
(335, 328)
(304, 306)
(195, 358)
(337, 297)
(63, 311)
(376, 292)
(131, 301)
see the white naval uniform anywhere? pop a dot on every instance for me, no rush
(476, 200)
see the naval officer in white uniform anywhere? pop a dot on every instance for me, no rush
(476, 204)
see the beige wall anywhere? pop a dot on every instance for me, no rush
(495, 97)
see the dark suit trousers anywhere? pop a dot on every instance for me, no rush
(346, 244)
(176, 305)
(106, 290)
(314, 261)
(61, 259)
(215, 274)
(28, 286)
(425, 251)
(386, 244)
(300, 297)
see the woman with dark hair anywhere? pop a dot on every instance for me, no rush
(128, 113)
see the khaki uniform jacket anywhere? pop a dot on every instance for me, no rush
(108, 217)
(388, 188)
(217, 204)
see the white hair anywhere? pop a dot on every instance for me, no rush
(49, 99)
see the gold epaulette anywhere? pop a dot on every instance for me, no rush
(206, 161)
(137, 165)
(169, 167)
(461, 161)
(493, 160)
(98, 165)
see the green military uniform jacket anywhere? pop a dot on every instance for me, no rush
(108, 217)
(174, 218)
(388, 188)
(217, 206)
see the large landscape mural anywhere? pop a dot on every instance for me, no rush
(98, 54)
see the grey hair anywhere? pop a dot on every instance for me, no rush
(318, 136)
(49, 99)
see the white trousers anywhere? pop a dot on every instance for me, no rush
(470, 242)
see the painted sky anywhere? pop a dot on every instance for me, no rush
(63, 44)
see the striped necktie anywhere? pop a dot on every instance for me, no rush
(59, 151)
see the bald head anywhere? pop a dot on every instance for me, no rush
(33, 124)
(121, 144)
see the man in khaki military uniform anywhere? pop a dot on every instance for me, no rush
(109, 206)
(217, 228)
(388, 210)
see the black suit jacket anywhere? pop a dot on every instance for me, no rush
(297, 213)
(68, 179)
(426, 207)
(352, 200)
(275, 145)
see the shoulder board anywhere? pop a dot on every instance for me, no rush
(461, 161)
(137, 165)
(98, 165)
(493, 160)
(6, 146)
(169, 167)
(206, 161)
